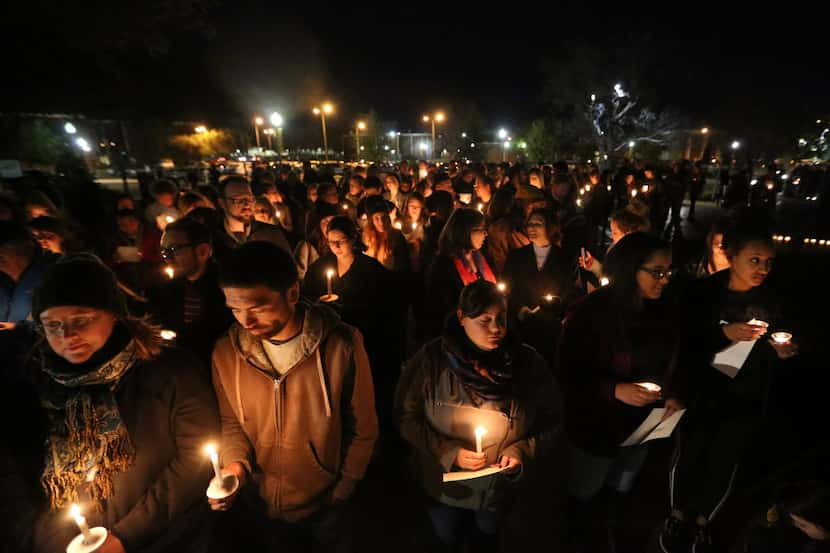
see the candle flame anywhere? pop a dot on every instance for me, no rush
(345, 207)
(398, 225)
(330, 273)
(645, 188)
(604, 281)
(75, 511)
(782, 337)
(210, 449)
(549, 297)
(480, 431)
(414, 226)
(167, 334)
(170, 271)
(501, 286)
(481, 207)
(650, 386)
(169, 219)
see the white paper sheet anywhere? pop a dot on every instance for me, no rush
(470, 474)
(653, 428)
(730, 360)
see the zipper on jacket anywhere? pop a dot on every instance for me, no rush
(277, 428)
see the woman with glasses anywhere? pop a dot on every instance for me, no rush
(540, 283)
(459, 263)
(617, 357)
(731, 311)
(117, 423)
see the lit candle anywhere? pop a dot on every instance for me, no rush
(210, 449)
(414, 226)
(650, 386)
(345, 207)
(782, 337)
(167, 335)
(480, 432)
(169, 219)
(502, 287)
(549, 297)
(608, 188)
(645, 188)
(329, 276)
(756, 322)
(398, 225)
(633, 193)
(481, 207)
(604, 281)
(587, 188)
(279, 214)
(75, 511)
(170, 272)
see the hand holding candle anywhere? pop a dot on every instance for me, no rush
(170, 272)
(90, 539)
(225, 483)
(210, 449)
(329, 276)
(782, 343)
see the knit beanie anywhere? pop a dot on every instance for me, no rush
(82, 280)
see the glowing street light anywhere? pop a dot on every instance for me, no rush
(327, 109)
(258, 122)
(69, 128)
(437, 118)
(277, 121)
(593, 98)
(201, 129)
(361, 126)
(83, 144)
(736, 145)
(502, 133)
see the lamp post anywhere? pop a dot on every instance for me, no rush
(361, 126)
(322, 112)
(437, 118)
(705, 132)
(735, 145)
(268, 134)
(502, 134)
(277, 121)
(258, 121)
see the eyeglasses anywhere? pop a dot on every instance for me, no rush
(659, 274)
(338, 243)
(243, 200)
(78, 324)
(170, 252)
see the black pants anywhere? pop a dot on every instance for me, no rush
(694, 193)
(246, 528)
(706, 462)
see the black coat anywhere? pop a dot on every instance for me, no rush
(603, 345)
(529, 287)
(168, 305)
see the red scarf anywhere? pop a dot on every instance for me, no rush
(468, 276)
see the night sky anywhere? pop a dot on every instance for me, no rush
(224, 61)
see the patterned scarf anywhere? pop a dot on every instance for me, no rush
(88, 442)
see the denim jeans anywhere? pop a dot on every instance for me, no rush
(590, 472)
(452, 524)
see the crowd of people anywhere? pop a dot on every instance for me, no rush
(448, 319)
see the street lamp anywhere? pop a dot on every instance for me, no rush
(327, 109)
(705, 132)
(361, 126)
(736, 145)
(437, 118)
(268, 134)
(277, 121)
(69, 128)
(258, 122)
(502, 134)
(83, 144)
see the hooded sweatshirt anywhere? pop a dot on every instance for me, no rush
(305, 436)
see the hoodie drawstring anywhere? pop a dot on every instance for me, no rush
(323, 384)
(239, 391)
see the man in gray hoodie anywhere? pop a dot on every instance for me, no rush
(295, 398)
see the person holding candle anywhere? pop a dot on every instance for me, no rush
(731, 306)
(620, 336)
(192, 304)
(314, 245)
(535, 272)
(459, 263)
(123, 419)
(477, 374)
(296, 401)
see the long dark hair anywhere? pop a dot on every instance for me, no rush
(625, 259)
(477, 296)
(455, 237)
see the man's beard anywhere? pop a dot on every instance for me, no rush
(246, 220)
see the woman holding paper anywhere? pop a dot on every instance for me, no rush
(474, 383)
(730, 313)
(121, 420)
(617, 357)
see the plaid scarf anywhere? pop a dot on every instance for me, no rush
(88, 442)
